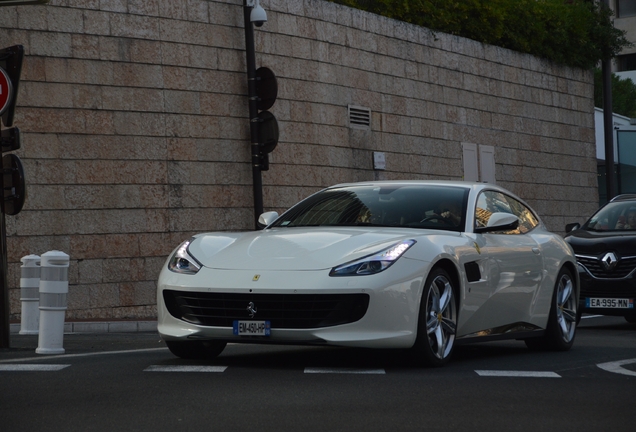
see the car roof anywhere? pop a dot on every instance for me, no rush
(476, 186)
(417, 182)
(624, 197)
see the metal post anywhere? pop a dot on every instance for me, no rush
(608, 129)
(257, 180)
(608, 124)
(5, 329)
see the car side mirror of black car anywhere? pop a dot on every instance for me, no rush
(500, 222)
(572, 227)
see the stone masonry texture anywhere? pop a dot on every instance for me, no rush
(135, 130)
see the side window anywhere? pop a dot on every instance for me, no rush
(490, 202)
(527, 219)
(481, 213)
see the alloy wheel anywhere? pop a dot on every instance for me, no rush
(566, 307)
(441, 317)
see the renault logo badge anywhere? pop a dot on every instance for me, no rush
(609, 261)
(256, 278)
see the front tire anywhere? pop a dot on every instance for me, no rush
(437, 323)
(197, 350)
(561, 329)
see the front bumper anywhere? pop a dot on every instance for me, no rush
(390, 320)
(623, 289)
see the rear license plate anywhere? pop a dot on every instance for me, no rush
(609, 303)
(252, 328)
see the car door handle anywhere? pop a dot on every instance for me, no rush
(537, 251)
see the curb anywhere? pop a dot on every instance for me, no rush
(102, 327)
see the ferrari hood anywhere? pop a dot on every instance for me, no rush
(291, 248)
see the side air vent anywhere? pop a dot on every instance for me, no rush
(472, 271)
(359, 117)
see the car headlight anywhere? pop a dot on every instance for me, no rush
(182, 262)
(375, 263)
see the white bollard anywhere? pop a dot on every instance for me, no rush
(29, 294)
(53, 291)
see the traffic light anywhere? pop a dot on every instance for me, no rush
(266, 93)
(11, 68)
(12, 179)
(13, 183)
(267, 136)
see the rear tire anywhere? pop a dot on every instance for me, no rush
(196, 349)
(561, 330)
(437, 323)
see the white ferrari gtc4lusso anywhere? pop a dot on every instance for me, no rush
(395, 264)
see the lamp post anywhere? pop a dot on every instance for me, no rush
(262, 90)
(257, 180)
(608, 126)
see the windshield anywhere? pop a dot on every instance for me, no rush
(414, 206)
(615, 216)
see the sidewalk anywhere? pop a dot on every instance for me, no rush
(86, 338)
(101, 327)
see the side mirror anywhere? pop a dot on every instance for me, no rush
(267, 218)
(500, 222)
(572, 227)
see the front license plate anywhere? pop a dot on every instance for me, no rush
(609, 303)
(252, 328)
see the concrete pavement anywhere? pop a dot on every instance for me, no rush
(86, 338)
(121, 326)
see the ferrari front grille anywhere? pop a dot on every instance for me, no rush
(284, 311)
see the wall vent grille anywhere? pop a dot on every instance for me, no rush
(359, 117)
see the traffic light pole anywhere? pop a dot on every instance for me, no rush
(608, 129)
(12, 184)
(5, 327)
(257, 179)
(608, 124)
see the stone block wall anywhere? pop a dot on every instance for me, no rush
(135, 131)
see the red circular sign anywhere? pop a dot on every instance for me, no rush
(6, 89)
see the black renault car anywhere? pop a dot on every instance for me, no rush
(605, 249)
